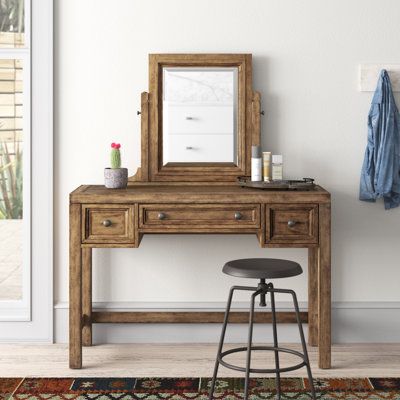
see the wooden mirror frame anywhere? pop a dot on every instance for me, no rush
(152, 168)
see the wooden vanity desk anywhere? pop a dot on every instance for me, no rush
(157, 201)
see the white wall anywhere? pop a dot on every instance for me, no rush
(305, 55)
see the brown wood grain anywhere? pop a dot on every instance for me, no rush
(193, 194)
(313, 256)
(87, 296)
(197, 198)
(199, 217)
(75, 287)
(256, 118)
(324, 287)
(187, 317)
(142, 174)
(199, 171)
(305, 229)
(121, 217)
(217, 202)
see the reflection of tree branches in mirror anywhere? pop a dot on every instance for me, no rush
(203, 83)
(11, 194)
(12, 16)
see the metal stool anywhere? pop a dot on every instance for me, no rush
(262, 268)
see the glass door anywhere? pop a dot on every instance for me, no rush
(15, 60)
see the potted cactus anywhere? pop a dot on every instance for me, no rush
(115, 177)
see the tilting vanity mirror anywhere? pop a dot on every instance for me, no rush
(199, 119)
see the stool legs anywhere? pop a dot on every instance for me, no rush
(262, 289)
(249, 342)
(275, 334)
(303, 343)
(223, 332)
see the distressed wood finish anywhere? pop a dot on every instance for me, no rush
(197, 198)
(142, 174)
(182, 193)
(199, 217)
(256, 119)
(200, 172)
(303, 217)
(107, 224)
(75, 287)
(181, 317)
(313, 257)
(324, 287)
(201, 209)
(87, 296)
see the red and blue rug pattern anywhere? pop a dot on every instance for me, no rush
(194, 388)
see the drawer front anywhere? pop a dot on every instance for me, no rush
(199, 120)
(199, 217)
(292, 224)
(108, 224)
(198, 148)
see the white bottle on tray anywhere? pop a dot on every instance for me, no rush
(256, 164)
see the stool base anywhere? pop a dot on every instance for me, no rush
(261, 290)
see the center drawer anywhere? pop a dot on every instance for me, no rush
(198, 217)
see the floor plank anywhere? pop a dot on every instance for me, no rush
(191, 360)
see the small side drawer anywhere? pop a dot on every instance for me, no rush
(111, 223)
(199, 217)
(296, 224)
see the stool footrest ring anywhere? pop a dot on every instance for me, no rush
(259, 370)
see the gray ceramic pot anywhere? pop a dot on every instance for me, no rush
(115, 178)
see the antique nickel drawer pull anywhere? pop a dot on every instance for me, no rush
(189, 118)
(161, 216)
(238, 215)
(291, 223)
(107, 223)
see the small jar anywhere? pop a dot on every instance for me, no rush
(277, 167)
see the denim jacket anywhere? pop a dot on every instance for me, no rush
(380, 174)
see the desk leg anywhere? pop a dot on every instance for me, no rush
(87, 296)
(75, 287)
(324, 287)
(313, 255)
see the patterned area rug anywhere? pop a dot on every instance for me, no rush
(193, 388)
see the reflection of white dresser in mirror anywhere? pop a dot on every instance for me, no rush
(200, 114)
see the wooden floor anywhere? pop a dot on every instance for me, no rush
(176, 360)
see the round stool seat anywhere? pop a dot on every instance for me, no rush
(262, 268)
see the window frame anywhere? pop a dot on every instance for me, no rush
(39, 327)
(20, 310)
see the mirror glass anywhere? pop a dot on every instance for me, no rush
(200, 114)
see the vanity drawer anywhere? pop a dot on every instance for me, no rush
(186, 119)
(296, 223)
(113, 223)
(199, 217)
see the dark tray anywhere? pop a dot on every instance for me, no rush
(286, 184)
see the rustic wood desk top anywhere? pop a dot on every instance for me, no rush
(187, 193)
